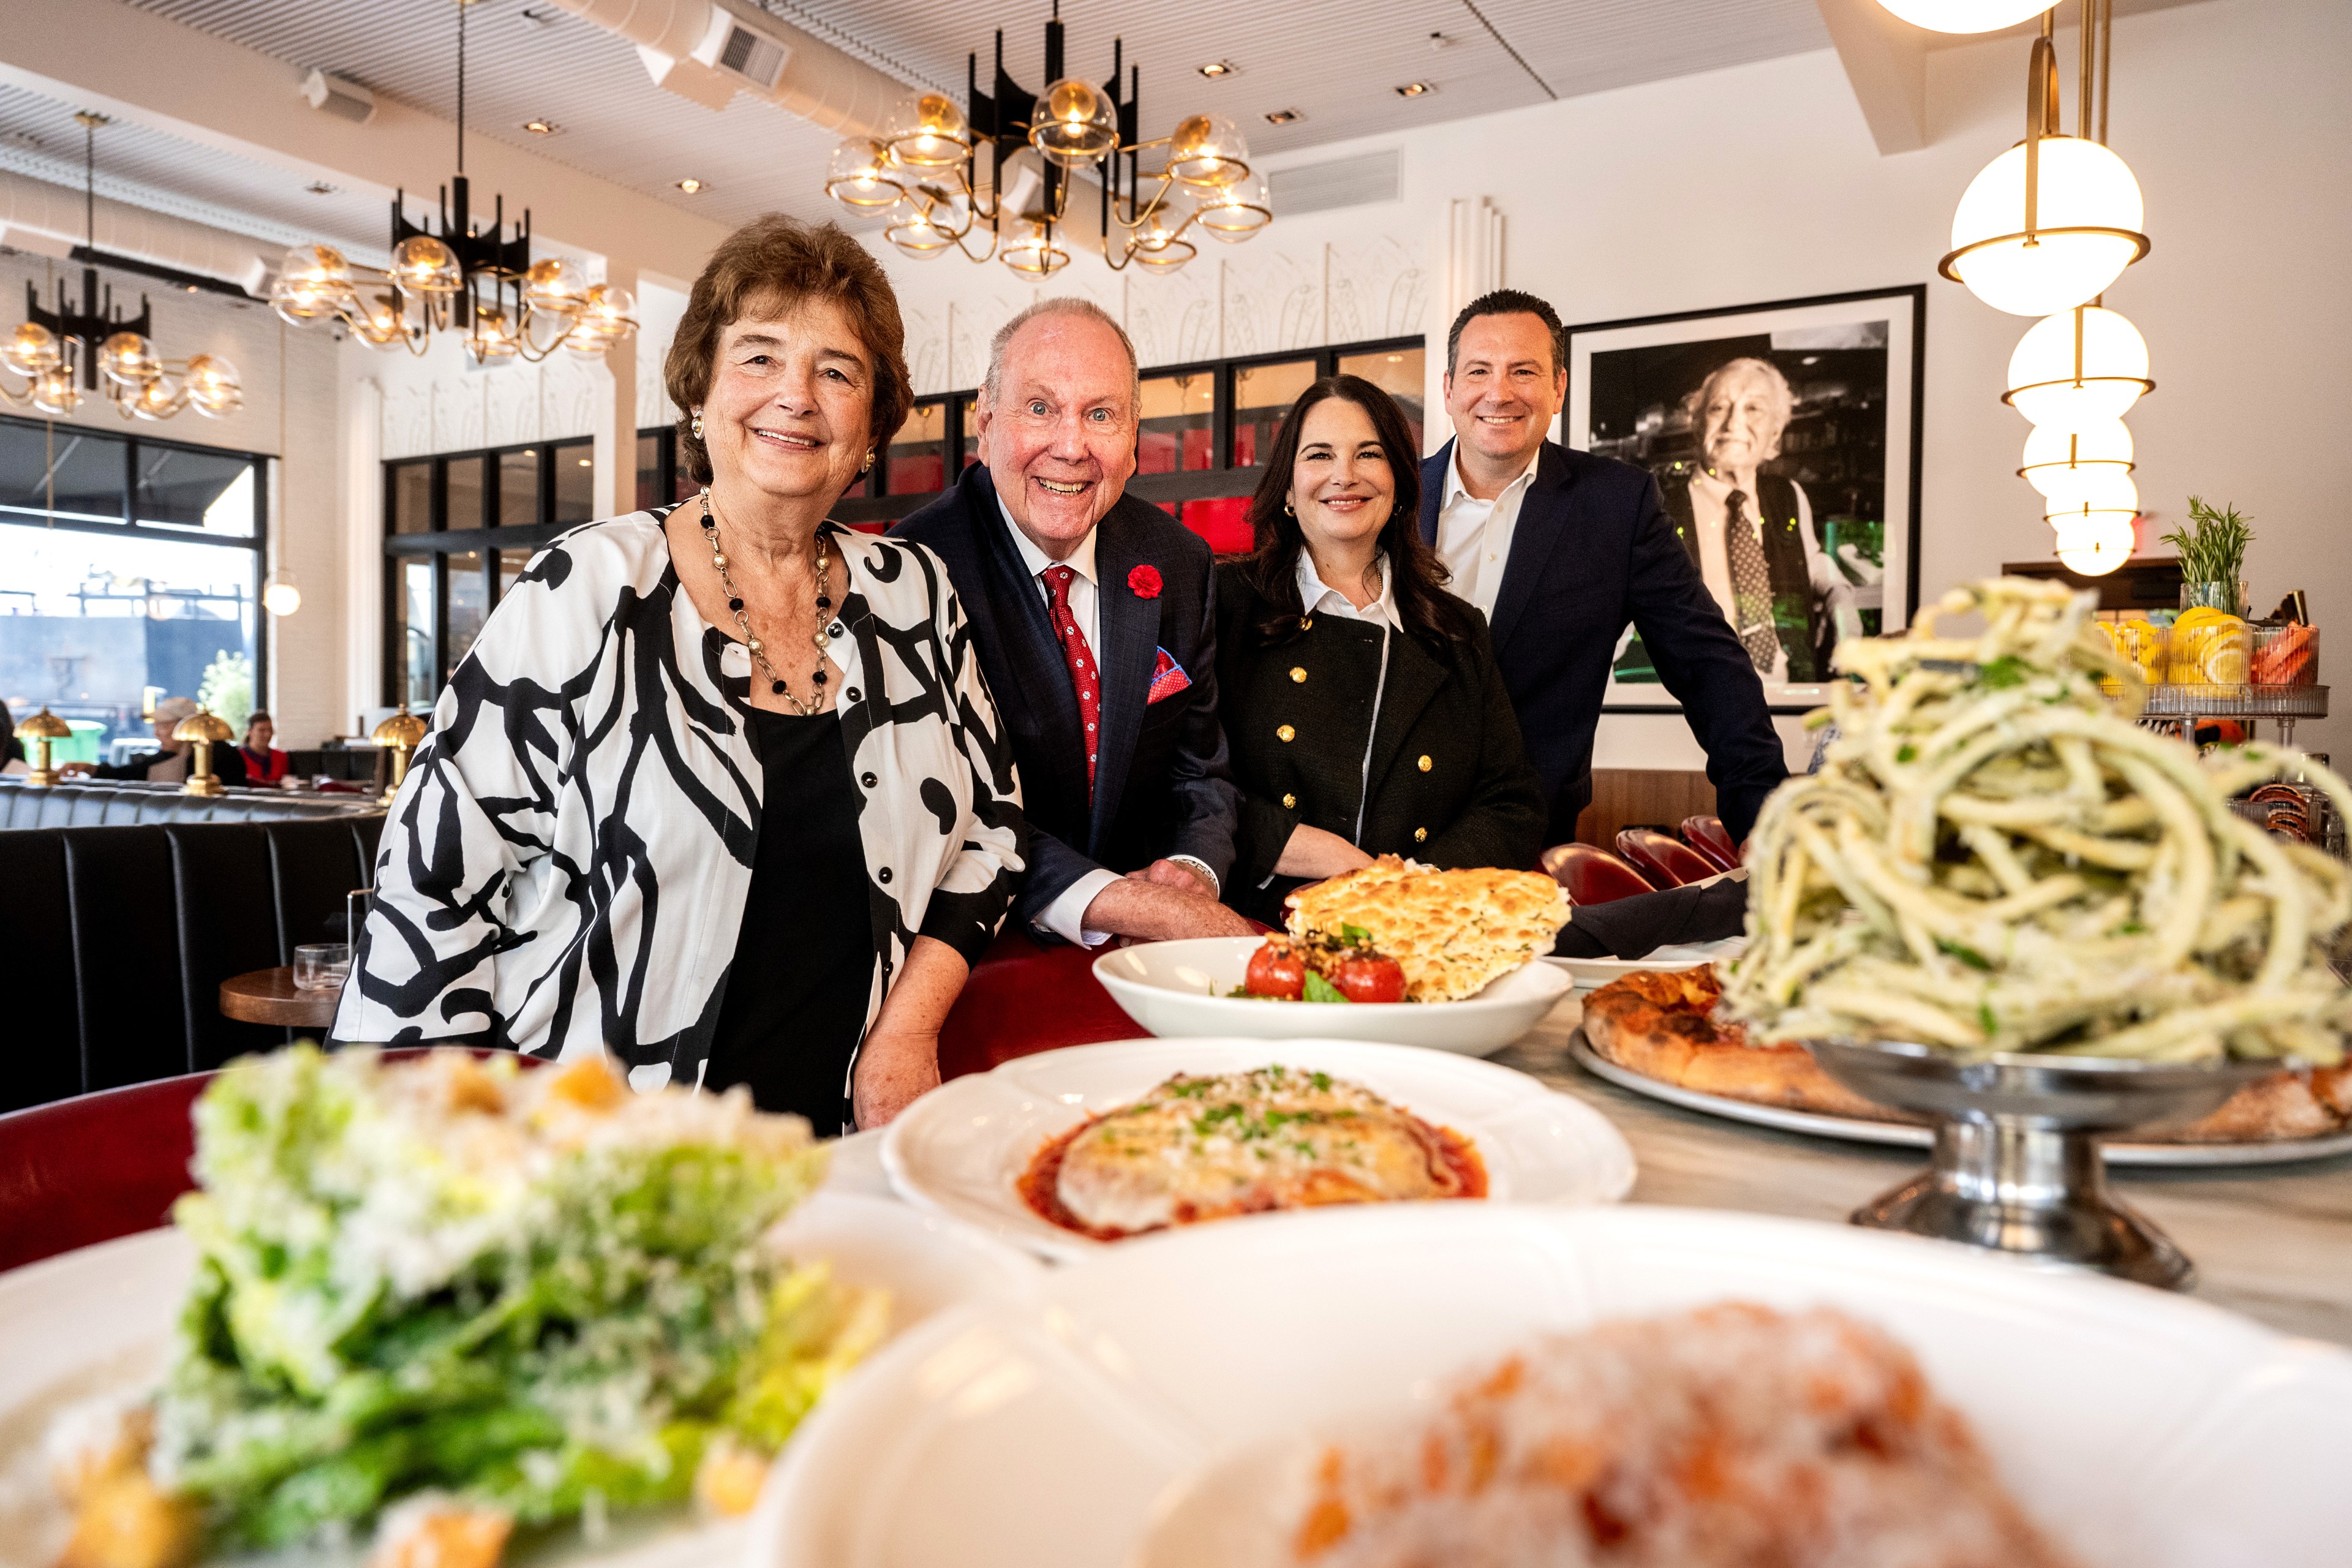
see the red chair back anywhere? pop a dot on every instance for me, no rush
(1668, 862)
(1590, 875)
(86, 1170)
(1022, 998)
(1706, 834)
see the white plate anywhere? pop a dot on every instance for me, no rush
(1901, 1134)
(1591, 973)
(98, 1321)
(2136, 1427)
(1177, 988)
(961, 1149)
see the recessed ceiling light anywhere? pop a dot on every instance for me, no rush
(1416, 89)
(1218, 68)
(320, 188)
(1284, 117)
(587, 462)
(689, 185)
(541, 126)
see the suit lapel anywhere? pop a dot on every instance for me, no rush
(1543, 517)
(1433, 493)
(1130, 637)
(1039, 680)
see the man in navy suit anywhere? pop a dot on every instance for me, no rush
(1095, 619)
(1561, 550)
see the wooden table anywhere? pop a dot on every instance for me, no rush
(268, 996)
(2273, 1242)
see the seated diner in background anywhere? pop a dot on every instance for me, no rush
(1095, 616)
(265, 764)
(171, 762)
(718, 789)
(11, 750)
(1360, 699)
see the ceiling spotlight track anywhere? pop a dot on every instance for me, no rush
(88, 346)
(924, 172)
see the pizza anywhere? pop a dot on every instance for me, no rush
(1453, 932)
(1663, 1026)
(1203, 1148)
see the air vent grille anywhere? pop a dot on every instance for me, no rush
(1341, 183)
(757, 60)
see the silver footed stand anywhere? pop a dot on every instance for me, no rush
(2017, 1164)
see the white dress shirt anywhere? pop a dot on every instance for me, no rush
(1318, 598)
(1474, 536)
(1710, 495)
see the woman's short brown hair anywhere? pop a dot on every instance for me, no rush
(776, 263)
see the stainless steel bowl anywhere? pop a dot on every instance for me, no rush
(2017, 1164)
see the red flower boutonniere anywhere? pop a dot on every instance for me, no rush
(1144, 581)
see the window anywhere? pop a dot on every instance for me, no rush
(130, 571)
(1178, 433)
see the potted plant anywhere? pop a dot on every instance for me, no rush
(2212, 558)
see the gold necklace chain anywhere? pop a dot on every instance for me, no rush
(744, 621)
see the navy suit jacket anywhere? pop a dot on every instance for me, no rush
(1162, 784)
(1592, 551)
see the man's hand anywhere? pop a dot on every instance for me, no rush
(1138, 905)
(73, 770)
(1174, 874)
(893, 1071)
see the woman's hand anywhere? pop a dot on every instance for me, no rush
(1312, 852)
(893, 1072)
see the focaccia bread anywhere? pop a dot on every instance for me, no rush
(1275, 1138)
(1453, 932)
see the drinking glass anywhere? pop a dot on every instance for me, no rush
(322, 965)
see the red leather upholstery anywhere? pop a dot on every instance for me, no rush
(86, 1170)
(1706, 834)
(1668, 862)
(1022, 999)
(1592, 875)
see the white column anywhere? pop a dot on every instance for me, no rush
(362, 548)
(615, 426)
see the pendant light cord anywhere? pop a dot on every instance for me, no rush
(461, 86)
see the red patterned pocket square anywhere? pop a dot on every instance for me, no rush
(1168, 679)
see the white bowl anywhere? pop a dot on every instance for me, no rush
(1177, 988)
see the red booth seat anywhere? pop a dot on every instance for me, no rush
(1023, 997)
(1667, 862)
(1706, 835)
(1592, 875)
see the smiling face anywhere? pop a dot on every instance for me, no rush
(1503, 391)
(1059, 439)
(1340, 483)
(791, 404)
(1741, 415)
(259, 734)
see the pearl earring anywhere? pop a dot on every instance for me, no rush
(697, 424)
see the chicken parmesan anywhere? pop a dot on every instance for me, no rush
(1203, 1148)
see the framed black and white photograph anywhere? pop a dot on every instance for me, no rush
(1785, 441)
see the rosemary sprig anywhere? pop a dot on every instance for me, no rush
(2213, 550)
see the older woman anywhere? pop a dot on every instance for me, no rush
(1362, 700)
(718, 789)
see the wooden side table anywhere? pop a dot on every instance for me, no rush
(268, 996)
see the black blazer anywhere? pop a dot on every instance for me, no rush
(1162, 786)
(1592, 551)
(1449, 782)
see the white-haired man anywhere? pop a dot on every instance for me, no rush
(1751, 533)
(1095, 619)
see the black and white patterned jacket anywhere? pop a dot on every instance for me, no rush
(566, 867)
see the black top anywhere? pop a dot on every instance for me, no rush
(1448, 781)
(796, 996)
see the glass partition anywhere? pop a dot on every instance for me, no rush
(1263, 394)
(1178, 433)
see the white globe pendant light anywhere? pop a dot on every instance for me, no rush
(2094, 522)
(2097, 546)
(2093, 495)
(2081, 368)
(1965, 16)
(2053, 455)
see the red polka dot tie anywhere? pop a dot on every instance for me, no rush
(1085, 679)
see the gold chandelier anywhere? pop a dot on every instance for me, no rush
(87, 347)
(923, 173)
(458, 278)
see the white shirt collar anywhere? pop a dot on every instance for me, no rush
(1317, 597)
(1034, 561)
(1456, 490)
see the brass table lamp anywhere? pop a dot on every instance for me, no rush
(403, 733)
(202, 731)
(44, 729)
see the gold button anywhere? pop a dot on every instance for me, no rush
(1288, 800)
(1420, 835)
(1424, 764)
(1306, 622)
(1298, 672)
(1286, 733)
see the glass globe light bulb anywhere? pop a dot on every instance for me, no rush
(2052, 455)
(916, 231)
(1071, 125)
(213, 388)
(313, 282)
(279, 595)
(608, 313)
(1208, 150)
(860, 176)
(1233, 213)
(2099, 546)
(55, 391)
(156, 399)
(1032, 253)
(1965, 16)
(554, 287)
(2087, 218)
(928, 131)
(2050, 387)
(491, 338)
(382, 323)
(32, 350)
(128, 360)
(424, 265)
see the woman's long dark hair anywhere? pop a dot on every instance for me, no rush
(1432, 616)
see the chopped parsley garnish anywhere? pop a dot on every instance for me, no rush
(1321, 1081)
(1965, 953)
(2006, 671)
(1985, 1019)
(1906, 752)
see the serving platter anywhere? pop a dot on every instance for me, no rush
(1180, 988)
(1591, 973)
(98, 1321)
(960, 1150)
(1146, 1400)
(1853, 1129)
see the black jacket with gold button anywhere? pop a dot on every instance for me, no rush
(1448, 781)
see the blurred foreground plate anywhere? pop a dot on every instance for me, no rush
(1591, 973)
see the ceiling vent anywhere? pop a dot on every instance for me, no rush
(1341, 183)
(757, 58)
(344, 100)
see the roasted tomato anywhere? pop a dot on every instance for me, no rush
(1276, 971)
(1367, 979)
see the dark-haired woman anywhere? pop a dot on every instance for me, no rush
(1360, 699)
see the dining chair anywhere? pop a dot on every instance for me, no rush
(1666, 861)
(1592, 875)
(1706, 835)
